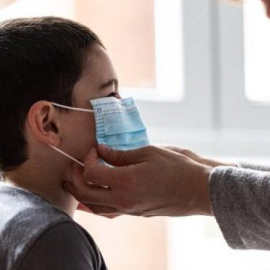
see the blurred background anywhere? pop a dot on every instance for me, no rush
(198, 70)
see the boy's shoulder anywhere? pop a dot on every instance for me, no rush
(31, 229)
(64, 246)
(24, 217)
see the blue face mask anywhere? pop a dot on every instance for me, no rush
(118, 124)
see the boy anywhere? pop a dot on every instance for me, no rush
(44, 61)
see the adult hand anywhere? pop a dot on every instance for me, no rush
(150, 181)
(205, 161)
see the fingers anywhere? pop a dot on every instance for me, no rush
(92, 159)
(95, 172)
(173, 148)
(182, 151)
(91, 172)
(103, 210)
(107, 176)
(87, 193)
(110, 216)
(121, 158)
(186, 152)
(88, 186)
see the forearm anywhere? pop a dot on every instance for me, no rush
(240, 201)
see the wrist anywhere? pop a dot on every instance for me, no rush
(204, 203)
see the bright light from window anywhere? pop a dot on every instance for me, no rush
(144, 39)
(169, 51)
(257, 51)
(35, 8)
(168, 55)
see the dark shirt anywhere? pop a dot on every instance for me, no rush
(36, 235)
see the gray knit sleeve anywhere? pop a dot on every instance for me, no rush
(253, 166)
(240, 200)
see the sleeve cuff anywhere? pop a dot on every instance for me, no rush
(240, 200)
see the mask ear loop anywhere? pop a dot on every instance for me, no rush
(67, 155)
(72, 108)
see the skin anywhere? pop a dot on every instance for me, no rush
(46, 170)
(150, 181)
(267, 7)
(139, 185)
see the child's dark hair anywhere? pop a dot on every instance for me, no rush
(40, 59)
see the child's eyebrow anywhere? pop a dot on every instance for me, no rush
(110, 83)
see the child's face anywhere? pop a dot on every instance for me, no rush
(98, 80)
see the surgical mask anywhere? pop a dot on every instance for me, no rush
(118, 124)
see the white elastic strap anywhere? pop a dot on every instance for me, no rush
(67, 155)
(72, 108)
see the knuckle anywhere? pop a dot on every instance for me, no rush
(118, 154)
(119, 157)
(185, 152)
(169, 148)
(149, 150)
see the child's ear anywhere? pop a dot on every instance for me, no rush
(44, 123)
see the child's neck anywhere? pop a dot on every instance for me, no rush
(44, 183)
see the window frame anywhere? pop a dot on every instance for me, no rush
(162, 107)
(194, 109)
(237, 110)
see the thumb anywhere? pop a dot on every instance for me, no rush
(92, 158)
(122, 158)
